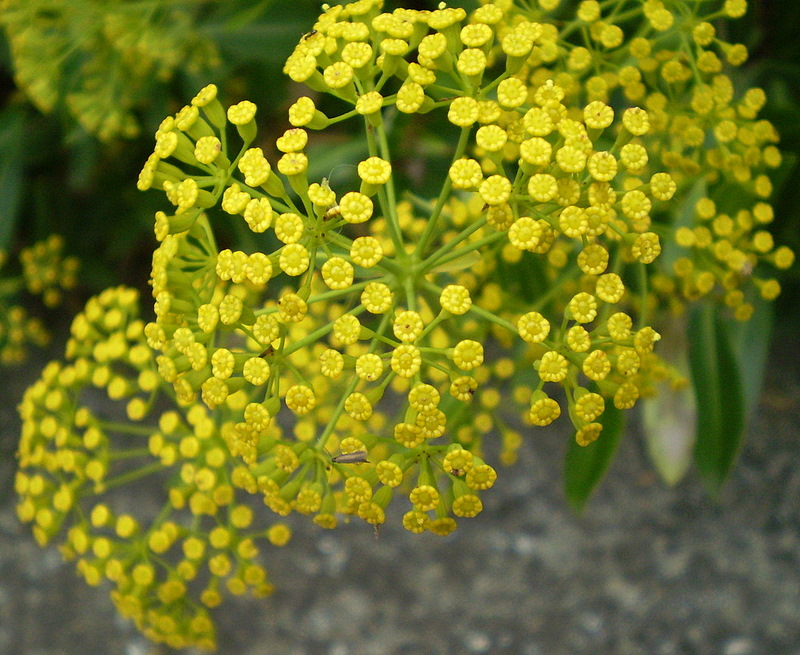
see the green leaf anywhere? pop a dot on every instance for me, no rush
(12, 161)
(750, 342)
(684, 216)
(718, 391)
(585, 466)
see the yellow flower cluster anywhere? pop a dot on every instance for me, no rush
(357, 293)
(323, 323)
(46, 273)
(168, 566)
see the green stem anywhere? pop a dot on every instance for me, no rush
(434, 259)
(319, 442)
(125, 478)
(138, 430)
(461, 147)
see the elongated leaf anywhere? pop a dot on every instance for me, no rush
(750, 342)
(670, 417)
(11, 169)
(684, 217)
(718, 391)
(585, 466)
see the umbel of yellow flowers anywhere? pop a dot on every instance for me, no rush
(363, 350)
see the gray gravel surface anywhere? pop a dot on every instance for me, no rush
(646, 570)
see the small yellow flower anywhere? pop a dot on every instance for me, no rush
(626, 396)
(636, 121)
(536, 151)
(578, 339)
(495, 190)
(356, 207)
(368, 103)
(512, 92)
(369, 367)
(544, 410)
(468, 354)
(423, 396)
(609, 288)
(533, 327)
(358, 406)
(337, 273)
(255, 167)
(258, 214)
(366, 251)
(588, 433)
(347, 329)
(471, 62)
(408, 435)
(234, 200)
(542, 187)
(331, 364)
(553, 367)
(374, 171)
(292, 308)
(646, 247)
(525, 233)
(455, 299)
(293, 163)
(207, 149)
(300, 399)
(583, 307)
(292, 140)
(463, 112)
(407, 326)
(376, 298)
(294, 259)
(406, 360)
(424, 498)
(465, 173)
(241, 113)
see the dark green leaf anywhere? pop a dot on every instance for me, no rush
(750, 342)
(585, 466)
(12, 161)
(718, 390)
(684, 217)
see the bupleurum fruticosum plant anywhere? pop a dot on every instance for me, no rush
(343, 363)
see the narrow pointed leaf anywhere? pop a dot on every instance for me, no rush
(12, 159)
(750, 342)
(585, 466)
(670, 416)
(670, 423)
(718, 391)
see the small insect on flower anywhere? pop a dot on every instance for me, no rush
(356, 457)
(267, 352)
(308, 35)
(332, 212)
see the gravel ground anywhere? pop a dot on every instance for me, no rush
(647, 570)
